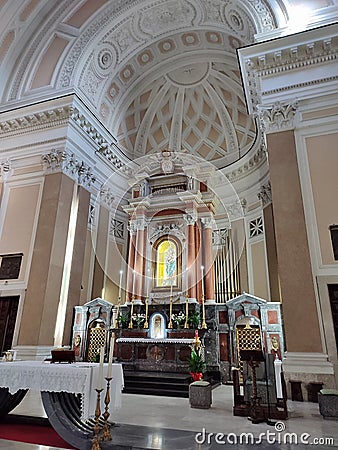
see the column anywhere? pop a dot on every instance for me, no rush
(199, 261)
(43, 293)
(139, 257)
(296, 281)
(191, 256)
(209, 278)
(131, 260)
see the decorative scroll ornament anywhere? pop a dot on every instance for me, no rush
(265, 194)
(167, 229)
(277, 117)
(60, 160)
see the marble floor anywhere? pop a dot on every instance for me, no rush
(149, 422)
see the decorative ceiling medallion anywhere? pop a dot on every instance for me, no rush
(104, 110)
(190, 39)
(113, 91)
(213, 38)
(145, 57)
(166, 46)
(127, 73)
(104, 59)
(190, 75)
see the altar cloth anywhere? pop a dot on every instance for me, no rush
(76, 378)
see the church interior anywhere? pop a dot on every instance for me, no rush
(168, 190)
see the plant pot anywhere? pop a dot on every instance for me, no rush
(196, 376)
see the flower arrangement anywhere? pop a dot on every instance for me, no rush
(178, 319)
(138, 320)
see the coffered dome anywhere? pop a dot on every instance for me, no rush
(193, 103)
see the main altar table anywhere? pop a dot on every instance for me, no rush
(60, 384)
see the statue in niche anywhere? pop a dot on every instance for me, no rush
(166, 264)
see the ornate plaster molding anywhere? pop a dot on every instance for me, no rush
(62, 161)
(5, 169)
(36, 121)
(294, 66)
(190, 219)
(250, 166)
(167, 229)
(265, 194)
(237, 210)
(277, 117)
(106, 196)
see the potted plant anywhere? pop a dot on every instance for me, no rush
(123, 320)
(197, 365)
(194, 319)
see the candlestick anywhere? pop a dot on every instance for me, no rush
(115, 324)
(146, 325)
(106, 436)
(100, 378)
(204, 325)
(131, 312)
(170, 313)
(186, 325)
(111, 354)
(96, 428)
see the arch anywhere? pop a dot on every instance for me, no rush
(167, 263)
(157, 326)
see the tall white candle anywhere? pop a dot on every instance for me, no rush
(202, 280)
(111, 354)
(100, 378)
(171, 291)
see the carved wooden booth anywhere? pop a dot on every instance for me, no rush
(92, 322)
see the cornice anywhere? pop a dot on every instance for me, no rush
(295, 66)
(36, 121)
(62, 116)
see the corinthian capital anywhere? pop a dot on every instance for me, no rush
(190, 219)
(207, 222)
(277, 117)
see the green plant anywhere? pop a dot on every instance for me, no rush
(123, 319)
(194, 319)
(196, 362)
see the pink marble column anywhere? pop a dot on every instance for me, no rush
(191, 257)
(199, 261)
(131, 260)
(139, 258)
(209, 277)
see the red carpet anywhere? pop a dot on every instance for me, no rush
(32, 434)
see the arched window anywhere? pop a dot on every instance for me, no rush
(166, 259)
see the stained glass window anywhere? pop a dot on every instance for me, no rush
(166, 264)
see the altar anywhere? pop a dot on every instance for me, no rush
(79, 378)
(67, 391)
